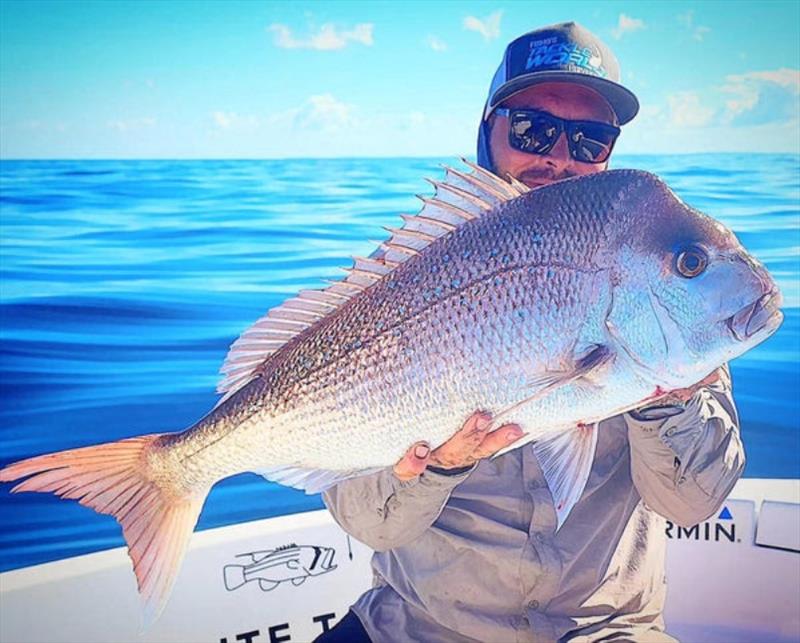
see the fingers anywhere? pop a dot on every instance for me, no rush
(498, 439)
(476, 425)
(456, 452)
(413, 463)
(474, 441)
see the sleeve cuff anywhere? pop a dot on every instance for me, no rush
(455, 471)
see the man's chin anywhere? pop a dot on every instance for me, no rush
(535, 184)
(537, 181)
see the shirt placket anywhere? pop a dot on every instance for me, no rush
(540, 565)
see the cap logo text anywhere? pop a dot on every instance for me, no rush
(564, 54)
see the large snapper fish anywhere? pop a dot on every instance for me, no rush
(553, 308)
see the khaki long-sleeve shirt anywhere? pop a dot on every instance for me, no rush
(475, 557)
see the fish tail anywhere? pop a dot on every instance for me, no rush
(234, 576)
(157, 518)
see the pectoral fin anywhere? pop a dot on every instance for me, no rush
(586, 366)
(587, 363)
(566, 461)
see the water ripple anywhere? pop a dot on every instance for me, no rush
(125, 282)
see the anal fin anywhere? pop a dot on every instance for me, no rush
(311, 480)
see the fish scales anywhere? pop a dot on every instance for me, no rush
(447, 332)
(553, 309)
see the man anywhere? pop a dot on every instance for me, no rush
(466, 546)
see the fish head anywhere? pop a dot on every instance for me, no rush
(317, 560)
(687, 296)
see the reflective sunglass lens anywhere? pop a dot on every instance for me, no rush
(591, 151)
(533, 133)
(591, 143)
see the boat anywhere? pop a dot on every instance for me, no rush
(733, 578)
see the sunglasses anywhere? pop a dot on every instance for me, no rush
(536, 132)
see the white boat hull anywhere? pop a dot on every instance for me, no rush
(736, 578)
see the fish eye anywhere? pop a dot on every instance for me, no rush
(691, 262)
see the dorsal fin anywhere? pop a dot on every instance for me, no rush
(460, 197)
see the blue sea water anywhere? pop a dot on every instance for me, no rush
(124, 283)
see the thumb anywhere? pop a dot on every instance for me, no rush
(413, 463)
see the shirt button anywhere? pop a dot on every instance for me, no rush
(539, 538)
(670, 431)
(534, 605)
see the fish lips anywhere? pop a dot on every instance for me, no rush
(762, 315)
(327, 559)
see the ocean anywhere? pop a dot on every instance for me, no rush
(125, 282)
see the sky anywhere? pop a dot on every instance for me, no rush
(227, 79)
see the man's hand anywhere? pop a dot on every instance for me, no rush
(471, 443)
(683, 395)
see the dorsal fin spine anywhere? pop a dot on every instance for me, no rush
(518, 184)
(345, 283)
(463, 194)
(303, 311)
(448, 227)
(444, 205)
(379, 264)
(510, 190)
(478, 183)
(460, 198)
(320, 302)
(412, 233)
(388, 245)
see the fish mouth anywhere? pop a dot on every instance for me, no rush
(327, 560)
(762, 315)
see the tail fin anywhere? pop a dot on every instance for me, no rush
(114, 479)
(234, 576)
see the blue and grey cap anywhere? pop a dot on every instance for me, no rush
(561, 53)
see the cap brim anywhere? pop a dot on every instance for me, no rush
(622, 101)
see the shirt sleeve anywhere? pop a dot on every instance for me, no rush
(686, 459)
(384, 512)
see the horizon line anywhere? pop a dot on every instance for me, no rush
(358, 158)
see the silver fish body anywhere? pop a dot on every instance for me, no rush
(553, 308)
(474, 322)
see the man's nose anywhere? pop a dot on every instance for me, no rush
(559, 157)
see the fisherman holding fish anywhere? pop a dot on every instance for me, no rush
(467, 547)
(580, 309)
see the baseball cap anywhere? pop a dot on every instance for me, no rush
(565, 52)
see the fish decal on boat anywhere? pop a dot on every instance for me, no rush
(272, 567)
(553, 308)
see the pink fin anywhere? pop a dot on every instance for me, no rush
(114, 479)
(566, 461)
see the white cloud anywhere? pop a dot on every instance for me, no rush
(436, 44)
(785, 77)
(488, 27)
(126, 125)
(231, 120)
(327, 111)
(626, 24)
(759, 97)
(319, 112)
(327, 38)
(697, 31)
(686, 110)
